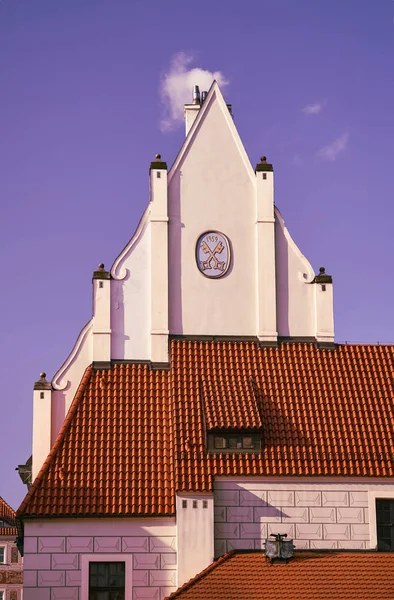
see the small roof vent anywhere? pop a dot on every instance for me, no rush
(279, 550)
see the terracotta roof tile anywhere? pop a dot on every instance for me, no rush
(114, 453)
(8, 531)
(309, 576)
(6, 512)
(142, 431)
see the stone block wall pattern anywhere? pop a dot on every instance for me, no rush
(54, 551)
(317, 514)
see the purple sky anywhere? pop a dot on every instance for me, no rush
(312, 87)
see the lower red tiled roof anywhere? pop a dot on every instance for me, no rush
(6, 512)
(8, 531)
(134, 436)
(308, 576)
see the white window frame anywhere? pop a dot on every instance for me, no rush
(374, 495)
(5, 556)
(86, 559)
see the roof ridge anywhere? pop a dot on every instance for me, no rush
(216, 563)
(60, 437)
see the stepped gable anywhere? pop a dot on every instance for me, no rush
(309, 576)
(134, 436)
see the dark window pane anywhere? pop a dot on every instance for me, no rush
(385, 525)
(247, 442)
(106, 581)
(220, 442)
(232, 442)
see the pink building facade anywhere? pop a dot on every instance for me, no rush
(11, 567)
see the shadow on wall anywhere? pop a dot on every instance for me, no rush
(282, 281)
(175, 256)
(118, 338)
(58, 412)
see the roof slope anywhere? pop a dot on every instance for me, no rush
(114, 453)
(134, 436)
(6, 512)
(309, 576)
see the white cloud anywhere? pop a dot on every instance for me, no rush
(334, 148)
(177, 86)
(312, 109)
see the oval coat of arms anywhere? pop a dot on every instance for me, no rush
(213, 254)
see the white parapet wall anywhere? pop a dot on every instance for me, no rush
(195, 528)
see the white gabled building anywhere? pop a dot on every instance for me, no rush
(205, 405)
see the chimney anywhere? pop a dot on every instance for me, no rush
(279, 550)
(191, 110)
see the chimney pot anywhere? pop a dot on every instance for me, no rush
(196, 95)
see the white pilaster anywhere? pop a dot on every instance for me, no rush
(324, 307)
(195, 533)
(101, 315)
(159, 261)
(267, 327)
(42, 417)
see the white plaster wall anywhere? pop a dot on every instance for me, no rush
(318, 513)
(54, 548)
(130, 301)
(296, 303)
(195, 540)
(212, 188)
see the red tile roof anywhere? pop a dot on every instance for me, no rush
(6, 512)
(229, 402)
(8, 531)
(309, 576)
(141, 431)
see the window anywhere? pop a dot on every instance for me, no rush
(205, 503)
(184, 503)
(2, 595)
(2, 555)
(234, 442)
(14, 555)
(385, 525)
(107, 581)
(194, 503)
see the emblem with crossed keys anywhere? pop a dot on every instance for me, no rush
(218, 264)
